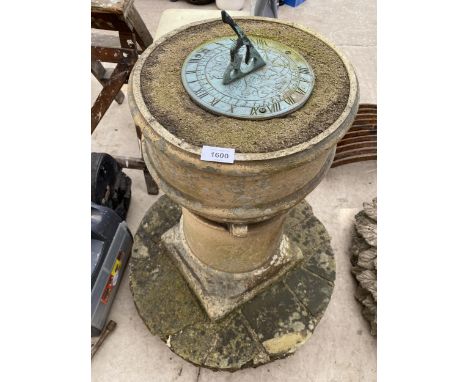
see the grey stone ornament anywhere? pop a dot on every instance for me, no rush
(364, 262)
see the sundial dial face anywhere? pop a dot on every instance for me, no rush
(281, 86)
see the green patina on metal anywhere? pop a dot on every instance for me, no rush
(281, 86)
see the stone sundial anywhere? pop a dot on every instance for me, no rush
(230, 268)
(255, 78)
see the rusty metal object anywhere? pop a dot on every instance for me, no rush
(360, 142)
(138, 164)
(130, 162)
(102, 75)
(107, 330)
(111, 89)
(120, 15)
(134, 37)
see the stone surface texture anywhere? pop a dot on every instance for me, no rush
(364, 261)
(259, 184)
(342, 348)
(168, 102)
(272, 325)
(220, 292)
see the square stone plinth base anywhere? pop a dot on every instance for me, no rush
(221, 292)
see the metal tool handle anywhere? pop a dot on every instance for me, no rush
(108, 330)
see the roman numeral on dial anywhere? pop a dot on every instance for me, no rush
(201, 93)
(289, 100)
(260, 42)
(254, 110)
(300, 91)
(274, 107)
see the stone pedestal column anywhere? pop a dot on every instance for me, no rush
(245, 246)
(228, 264)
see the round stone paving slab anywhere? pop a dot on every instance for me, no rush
(273, 325)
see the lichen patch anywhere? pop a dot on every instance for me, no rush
(285, 343)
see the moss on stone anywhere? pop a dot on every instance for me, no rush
(271, 326)
(235, 347)
(313, 291)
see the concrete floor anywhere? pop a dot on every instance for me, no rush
(341, 348)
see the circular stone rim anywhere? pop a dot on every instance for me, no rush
(138, 105)
(246, 117)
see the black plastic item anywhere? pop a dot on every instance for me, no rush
(111, 244)
(104, 224)
(110, 187)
